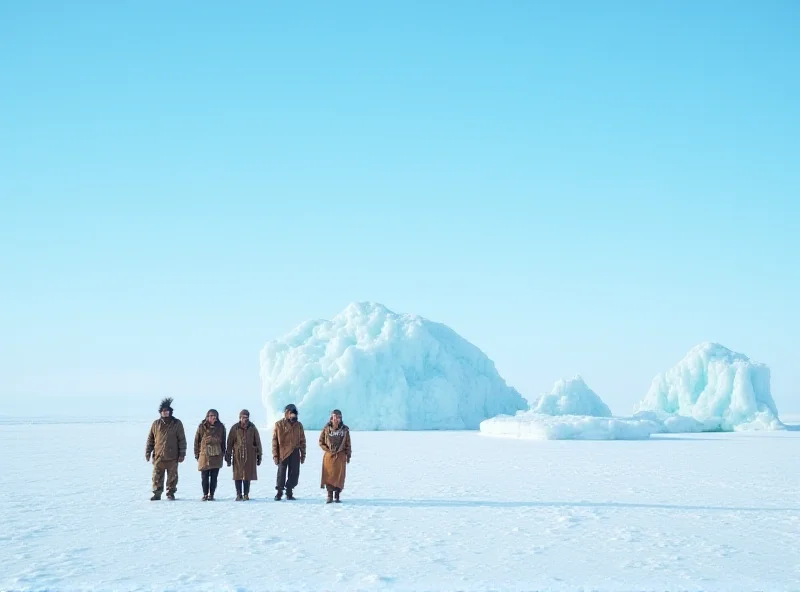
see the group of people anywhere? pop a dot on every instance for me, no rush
(166, 446)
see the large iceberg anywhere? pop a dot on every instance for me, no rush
(571, 397)
(717, 388)
(385, 371)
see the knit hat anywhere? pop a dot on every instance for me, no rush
(166, 404)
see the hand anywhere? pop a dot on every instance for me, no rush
(275, 460)
(348, 461)
(147, 457)
(180, 459)
(228, 463)
(258, 462)
(197, 457)
(302, 459)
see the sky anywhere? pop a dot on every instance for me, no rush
(575, 187)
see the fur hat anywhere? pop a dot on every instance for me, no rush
(166, 404)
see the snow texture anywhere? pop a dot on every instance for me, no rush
(385, 371)
(571, 397)
(420, 511)
(537, 426)
(720, 389)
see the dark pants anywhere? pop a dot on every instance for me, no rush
(210, 481)
(239, 487)
(292, 465)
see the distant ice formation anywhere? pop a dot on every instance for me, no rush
(385, 371)
(537, 426)
(571, 397)
(712, 389)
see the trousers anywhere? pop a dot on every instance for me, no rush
(291, 466)
(159, 468)
(209, 479)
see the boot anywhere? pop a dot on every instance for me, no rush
(279, 495)
(205, 498)
(246, 497)
(336, 496)
(171, 497)
(211, 496)
(239, 497)
(246, 489)
(156, 496)
(289, 495)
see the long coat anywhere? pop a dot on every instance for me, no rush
(166, 439)
(209, 445)
(244, 449)
(336, 445)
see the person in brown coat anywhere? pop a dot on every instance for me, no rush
(288, 451)
(244, 448)
(166, 442)
(335, 443)
(209, 451)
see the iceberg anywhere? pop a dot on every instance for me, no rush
(571, 397)
(537, 426)
(385, 371)
(712, 389)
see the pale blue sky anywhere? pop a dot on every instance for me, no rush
(575, 187)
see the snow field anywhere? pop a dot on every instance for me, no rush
(421, 511)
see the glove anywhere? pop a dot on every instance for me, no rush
(180, 459)
(275, 460)
(348, 461)
(258, 462)
(302, 459)
(147, 457)
(197, 457)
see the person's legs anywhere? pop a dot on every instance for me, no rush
(205, 475)
(293, 465)
(238, 490)
(246, 490)
(212, 486)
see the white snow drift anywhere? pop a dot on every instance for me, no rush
(571, 411)
(717, 388)
(571, 397)
(385, 371)
(537, 426)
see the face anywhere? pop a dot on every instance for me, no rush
(292, 416)
(212, 419)
(243, 419)
(336, 420)
(165, 413)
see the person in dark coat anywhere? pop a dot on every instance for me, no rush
(166, 442)
(244, 449)
(209, 451)
(288, 451)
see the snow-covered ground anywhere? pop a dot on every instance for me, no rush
(422, 511)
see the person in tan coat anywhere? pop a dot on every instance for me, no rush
(244, 449)
(288, 451)
(209, 451)
(166, 443)
(334, 439)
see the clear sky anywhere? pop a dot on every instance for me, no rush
(575, 187)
